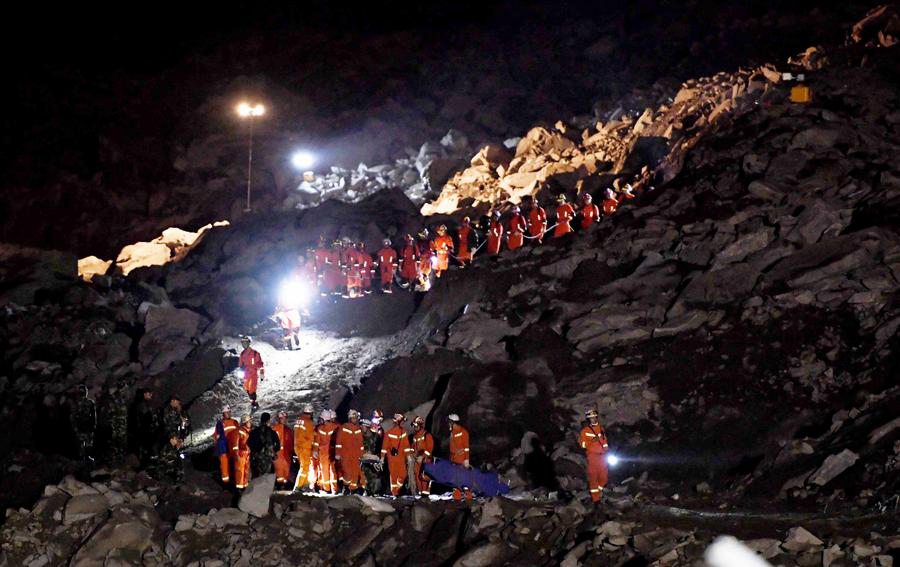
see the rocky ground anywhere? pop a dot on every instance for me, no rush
(736, 326)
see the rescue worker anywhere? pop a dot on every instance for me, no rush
(350, 261)
(264, 445)
(426, 261)
(394, 449)
(459, 452)
(517, 228)
(115, 417)
(173, 420)
(564, 215)
(593, 441)
(251, 364)
(628, 192)
(323, 452)
(443, 248)
(387, 263)
(610, 203)
(170, 461)
(334, 277)
(423, 452)
(536, 217)
(284, 455)
(590, 213)
(225, 438)
(144, 426)
(371, 458)
(348, 448)
(83, 417)
(322, 255)
(409, 263)
(290, 320)
(495, 234)
(304, 430)
(468, 242)
(366, 267)
(242, 460)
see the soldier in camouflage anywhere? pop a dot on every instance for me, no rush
(144, 427)
(371, 457)
(170, 462)
(173, 420)
(264, 444)
(115, 416)
(83, 417)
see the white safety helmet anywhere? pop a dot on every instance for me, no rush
(399, 418)
(591, 413)
(453, 417)
(609, 194)
(352, 413)
(308, 408)
(386, 242)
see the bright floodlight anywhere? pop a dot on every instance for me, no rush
(612, 460)
(245, 109)
(303, 160)
(294, 293)
(728, 551)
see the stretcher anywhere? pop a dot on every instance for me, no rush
(457, 476)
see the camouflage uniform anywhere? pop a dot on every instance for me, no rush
(372, 469)
(84, 424)
(145, 430)
(263, 443)
(169, 464)
(173, 423)
(115, 412)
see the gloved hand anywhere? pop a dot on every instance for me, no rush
(467, 465)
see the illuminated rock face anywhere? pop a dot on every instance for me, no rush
(170, 246)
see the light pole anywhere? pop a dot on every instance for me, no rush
(250, 112)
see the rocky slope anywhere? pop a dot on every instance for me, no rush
(736, 325)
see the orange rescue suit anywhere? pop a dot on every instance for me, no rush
(610, 206)
(517, 228)
(564, 215)
(387, 261)
(443, 246)
(251, 363)
(537, 222)
(593, 441)
(589, 215)
(495, 238)
(423, 449)
(459, 454)
(349, 448)
(396, 447)
(323, 453)
(304, 430)
(408, 258)
(242, 464)
(465, 254)
(365, 268)
(229, 458)
(283, 457)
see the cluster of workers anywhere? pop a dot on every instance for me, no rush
(346, 269)
(359, 456)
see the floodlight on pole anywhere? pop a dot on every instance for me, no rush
(250, 112)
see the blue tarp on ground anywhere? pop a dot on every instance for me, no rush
(458, 476)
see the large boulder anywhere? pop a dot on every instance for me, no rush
(168, 338)
(255, 499)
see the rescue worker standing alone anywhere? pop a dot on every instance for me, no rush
(593, 441)
(459, 452)
(251, 364)
(394, 450)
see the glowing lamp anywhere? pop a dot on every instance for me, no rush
(303, 160)
(294, 293)
(240, 373)
(612, 460)
(245, 110)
